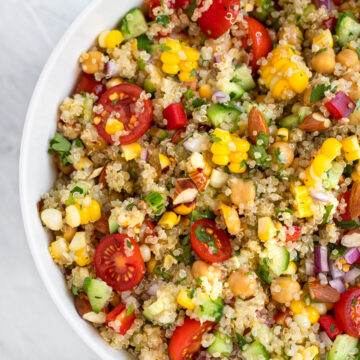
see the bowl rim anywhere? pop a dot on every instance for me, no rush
(27, 220)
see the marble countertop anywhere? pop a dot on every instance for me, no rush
(31, 327)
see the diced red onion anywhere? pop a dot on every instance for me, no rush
(144, 155)
(220, 97)
(112, 69)
(338, 285)
(152, 290)
(340, 106)
(320, 196)
(309, 268)
(217, 59)
(352, 275)
(321, 258)
(327, 3)
(131, 300)
(197, 143)
(352, 255)
(325, 339)
(335, 272)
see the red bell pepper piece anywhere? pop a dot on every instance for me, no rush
(346, 215)
(180, 3)
(293, 233)
(175, 116)
(340, 106)
(330, 23)
(89, 85)
(330, 326)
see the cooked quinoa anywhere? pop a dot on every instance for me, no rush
(208, 193)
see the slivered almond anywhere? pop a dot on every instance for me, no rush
(315, 122)
(185, 191)
(323, 292)
(256, 124)
(200, 179)
(102, 176)
(351, 238)
(82, 305)
(102, 225)
(354, 201)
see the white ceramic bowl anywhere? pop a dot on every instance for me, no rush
(37, 173)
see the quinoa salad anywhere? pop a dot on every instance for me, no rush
(208, 190)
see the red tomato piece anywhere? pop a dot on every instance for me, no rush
(347, 312)
(293, 233)
(128, 97)
(118, 262)
(328, 323)
(186, 339)
(330, 23)
(210, 243)
(180, 3)
(118, 321)
(340, 106)
(175, 116)
(258, 40)
(281, 316)
(89, 85)
(346, 215)
(218, 19)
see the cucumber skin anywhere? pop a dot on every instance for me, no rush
(93, 288)
(340, 348)
(218, 112)
(346, 28)
(136, 26)
(220, 345)
(255, 350)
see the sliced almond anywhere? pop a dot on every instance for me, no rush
(315, 122)
(99, 318)
(102, 176)
(200, 179)
(82, 305)
(323, 292)
(185, 191)
(351, 238)
(256, 124)
(95, 173)
(102, 225)
(354, 201)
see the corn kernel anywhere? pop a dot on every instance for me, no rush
(113, 39)
(350, 144)
(151, 265)
(84, 214)
(310, 353)
(191, 54)
(188, 66)
(97, 120)
(170, 58)
(82, 257)
(183, 209)
(72, 216)
(331, 148)
(266, 229)
(237, 168)
(231, 217)
(312, 314)
(186, 76)
(292, 269)
(241, 145)
(83, 163)
(303, 212)
(300, 191)
(113, 126)
(102, 37)
(220, 159)
(95, 211)
(134, 46)
(173, 44)
(164, 161)
(219, 149)
(113, 82)
(238, 157)
(355, 176)
(299, 81)
(323, 40)
(223, 135)
(282, 134)
(131, 151)
(171, 69)
(184, 300)
(205, 92)
(58, 248)
(280, 89)
(320, 164)
(169, 220)
(352, 156)
(297, 306)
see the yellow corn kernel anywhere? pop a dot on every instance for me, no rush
(238, 157)
(223, 135)
(266, 229)
(186, 76)
(102, 37)
(312, 314)
(113, 126)
(151, 265)
(219, 149)
(183, 209)
(84, 214)
(134, 45)
(95, 211)
(280, 89)
(331, 148)
(173, 44)
(188, 66)
(268, 80)
(171, 69)
(231, 218)
(184, 300)
(320, 164)
(131, 151)
(113, 39)
(323, 40)
(300, 191)
(280, 63)
(299, 81)
(164, 161)
(220, 159)
(241, 145)
(297, 306)
(97, 120)
(58, 248)
(191, 54)
(72, 216)
(170, 58)
(311, 179)
(237, 168)
(82, 257)
(282, 134)
(169, 220)
(355, 176)
(304, 211)
(205, 92)
(309, 353)
(113, 82)
(83, 163)
(352, 156)
(350, 144)
(292, 269)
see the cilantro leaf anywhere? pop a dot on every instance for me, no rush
(347, 224)
(318, 92)
(130, 310)
(163, 20)
(61, 146)
(141, 63)
(162, 273)
(206, 238)
(186, 255)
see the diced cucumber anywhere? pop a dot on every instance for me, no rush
(88, 113)
(333, 176)
(290, 121)
(303, 112)
(149, 86)
(308, 10)
(347, 28)
(133, 24)
(278, 258)
(220, 113)
(156, 201)
(242, 76)
(211, 310)
(205, 214)
(264, 273)
(342, 347)
(154, 309)
(222, 345)
(261, 332)
(98, 293)
(263, 9)
(256, 351)
(233, 89)
(80, 188)
(113, 225)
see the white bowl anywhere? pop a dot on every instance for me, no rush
(37, 173)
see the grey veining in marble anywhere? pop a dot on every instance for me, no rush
(31, 327)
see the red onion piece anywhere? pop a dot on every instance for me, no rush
(327, 3)
(144, 154)
(112, 69)
(309, 268)
(338, 285)
(352, 255)
(152, 290)
(196, 143)
(321, 258)
(325, 339)
(340, 106)
(352, 275)
(335, 272)
(320, 196)
(220, 97)
(217, 59)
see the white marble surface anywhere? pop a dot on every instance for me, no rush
(31, 327)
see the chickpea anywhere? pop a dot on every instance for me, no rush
(260, 98)
(282, 154)
(242, 193)
(291, 34)
(348, 58)
(69, 232)
(92, 62)
(202, 269)
(355, 117)
(242, 283)
(353, 77)
(324, 61)
(310, 34)
(145, 253)
(284, 289)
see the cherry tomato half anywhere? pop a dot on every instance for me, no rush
(293, 233)
(125, 99)
(88, 84)
(210, 243)
(186, 339)
(118, 262)
(347, 312)
(118, 320)
(346, 198)
(218, 19)
(258, 41)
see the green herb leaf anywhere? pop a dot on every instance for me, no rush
(128, 243)
(156, 201)
(347, 224)
(320, 51)
(191, 292)
(188, 94)
(143, 43)
(206, 214)
(180, 281)
(240, 340)
(165, 47)
(214, 139)
(332, 328)
(198, 102)
(141, 63)
(199, 281)
(133, 175)
(130, 206)
(61, 146)
(78, 143)
(353, 302)
(206, 238)
(192, 73)
(326, 216)
(186, 255)
(75, 289)
(348, 170)
(318, 92)
(130, 310)
(162, 272)
(163, 20)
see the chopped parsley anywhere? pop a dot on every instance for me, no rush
(191, 292)
(180, 281)
(188, 94)
(78, 189)
(320, 51)
(348, 170)
(206, 214)
(128, 243)
(258, 152)
(332, 328)
(199, 281)
(347, 224)
(163, 20)
(240, 340)
(75, 289)
(186, 255)
(165, 47)
(192, 73)
(60, 146)
(141, 63)
(206, 238)
(130, 206)
(326, 217)
(114, 102)
(318, 92)
(162, 272)
(143, 43)
(130, 310)
(133, 175)
(358, 51)
(353, 302)
(78, 143)
(198, 102)
(214, 139)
